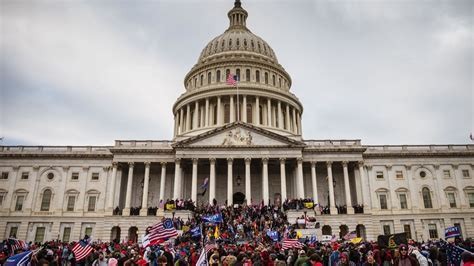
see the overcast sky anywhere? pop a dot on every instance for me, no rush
(91, 72)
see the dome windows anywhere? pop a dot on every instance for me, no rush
(218, 76)
(257, 76)
(208, 78)
(266, 78)
(247, 75)
(273, 79)
(201, 80)
(238, 42)
(237, 73)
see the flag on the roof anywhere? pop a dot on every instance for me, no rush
(232, 79)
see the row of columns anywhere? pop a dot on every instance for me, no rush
(248, 191)
(202, 118)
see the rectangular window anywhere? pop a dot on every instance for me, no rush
(4, 175)
(91, 205)
(403, 201)
(71, 200)
(39, 236)
(88, 231)
(19, 203)
(446, 173)
(2, 197)
(25, 175)
(386, 229)
(379, 174)
(75, 176)
(399, 174)
(433, 231)
(465, 173)
(13, 231)
(407, 230)
(470, 196)
(95, 176)
(451, 200)
(383, 201)
(458, 225)
(66, 234)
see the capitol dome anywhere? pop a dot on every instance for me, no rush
(263, 97)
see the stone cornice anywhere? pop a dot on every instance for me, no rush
(372, 155)
(140, 150)
(55, 156)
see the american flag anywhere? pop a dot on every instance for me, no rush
(160, 231)
(453, 253)
(82, 249)
(231, 80)
(203, 257)
(16, 244)
(350, 235)
(291, 243)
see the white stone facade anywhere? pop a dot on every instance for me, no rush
(246, 141)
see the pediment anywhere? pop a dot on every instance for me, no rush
(239, 134)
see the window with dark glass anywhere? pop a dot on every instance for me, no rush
(451, 199)
(39, 235)
(208, 78)
(75, 176)
(427, 198)
(433, 231)
(247, 75)
(465, 173)
(383, 201)
(46, 200)
(407, 230)
(470, 196)
(386, 229)
(257, 76)
(91, 204)
(403, 201)
(19, 202)
(95, 176)
(13, 231)
(4, 175)
(71, 201)
(274, 80)
(218, 76)
(266, 78)
(237, 73)
(66, 234)
(379, 174)
(25, 175)
(201, 80)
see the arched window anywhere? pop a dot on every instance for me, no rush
(427, 198)
(266, 78)
(257, 76)
(218, 76)
(279, 81)
(208, 78)
(274, 80)
(202, 79)
(46, 200)
(247, 75)
(195, 82)
(237, 73)
(226, 113)
(238, 42)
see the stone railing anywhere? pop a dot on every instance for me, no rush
(143, 143)
(333, 142)
(419, 148)
(55, 149)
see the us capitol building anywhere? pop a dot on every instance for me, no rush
(249, 144)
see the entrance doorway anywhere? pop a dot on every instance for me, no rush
(238, 198)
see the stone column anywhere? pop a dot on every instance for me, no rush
(299, 122)
(206, 113)
(212, 179)
(177, 179)
(280, 116)
(188, 117)
(162, 181)
(314, 182)
(194, 180)
(248, 181)
(181, 118)
(350, 209)
(257, 111)
(196, 115)
(269, 112)
(110, 205)
(364, 185)
(244, 109)
(175, 125)
(232, 109)
(294, 120)
(332, 202)
(219, 111)
(299, 179)
(265, 194)
(287, 122)
(283, 179)
(128, 197)
(146, 182)
(229, 181)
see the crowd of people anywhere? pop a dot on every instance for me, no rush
(245, 236)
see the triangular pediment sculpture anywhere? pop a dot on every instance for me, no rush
(239, 134)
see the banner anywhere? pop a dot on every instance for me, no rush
(392, 241)
(310, 225)
(452, 231)
(301, 221)
(196, 231)
(309, 205)
(273, 235)
(214, 219)
(170, 206)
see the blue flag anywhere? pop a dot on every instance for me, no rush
(452, 231)
(196, 231)
(21, 259)
(214, 219)
(273, 235)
